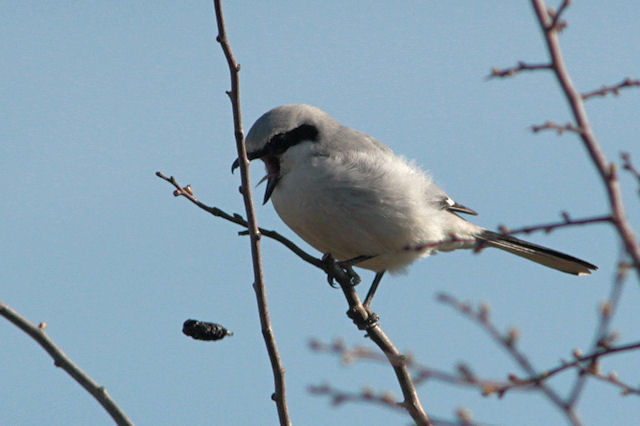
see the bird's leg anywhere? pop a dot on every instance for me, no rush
(372, 290)
(372, 317)
(348, 264)
(344, 274)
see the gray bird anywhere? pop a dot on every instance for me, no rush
(347, 194)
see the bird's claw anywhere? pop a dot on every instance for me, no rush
(354, 279)
(331, 281)
(345, 267)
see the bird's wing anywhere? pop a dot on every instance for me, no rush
(444, 202)
(447, 203)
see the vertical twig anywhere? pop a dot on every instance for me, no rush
(61, 360)
(279, 396)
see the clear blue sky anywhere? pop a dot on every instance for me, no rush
(97, 96)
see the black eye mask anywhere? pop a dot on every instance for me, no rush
(281, 142)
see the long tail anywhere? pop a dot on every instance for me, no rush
(542, 255)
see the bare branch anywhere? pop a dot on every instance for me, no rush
(628, 166)
(548, 227)
(367, 320)
(550, 23)
(602, 338)
(187, 192)
(384, 399)
(557, 24)
(510, 72)
(606, 170)
(61, 360)
(508, 342)
(367, 395)
(613, 379)
(279, 396)
(422, 373)
(586, 364)
(613, 89)
(559, 128)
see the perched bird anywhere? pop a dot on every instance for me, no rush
(347, 194)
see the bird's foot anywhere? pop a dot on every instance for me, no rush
(339, 271)
(354, 279)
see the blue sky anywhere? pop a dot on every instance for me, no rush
(97, 96)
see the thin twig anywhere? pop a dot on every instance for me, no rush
(600, 340)
(61, 360)
(279, 396)
(612, 378)
(613, 89)
(628, 166)
(384, 399)
(548, 227)
(510, 72)
(187, 192)
(559, 128)
(367, 395)
(422, 373)
(557, 24)
(579, 360)
(465, 376)
(508, 342)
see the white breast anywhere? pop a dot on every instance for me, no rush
(353, 206)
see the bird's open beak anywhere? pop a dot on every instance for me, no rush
(271, 177)
(235, 165)
(272, 182)
(250, 155)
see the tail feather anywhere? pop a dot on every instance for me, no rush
(542, 255)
